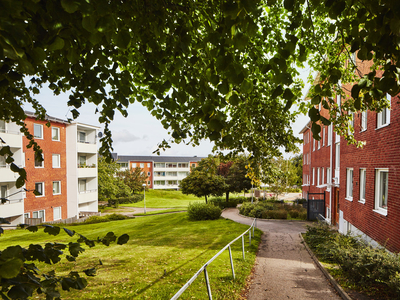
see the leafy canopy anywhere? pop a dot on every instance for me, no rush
(224, 71)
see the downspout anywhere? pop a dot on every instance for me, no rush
(330, 177)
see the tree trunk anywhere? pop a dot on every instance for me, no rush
(227, 196)
(206, 198)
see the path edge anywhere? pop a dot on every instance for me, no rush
(337, 287)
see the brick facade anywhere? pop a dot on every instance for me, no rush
(46, 174)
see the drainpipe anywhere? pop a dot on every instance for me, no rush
(331, 170)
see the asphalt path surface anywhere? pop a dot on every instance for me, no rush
(284, 269)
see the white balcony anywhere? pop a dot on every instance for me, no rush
(12, 138)
(87, 196)
(6, 175)
(87, 172)
(12, 208)
(87, 147)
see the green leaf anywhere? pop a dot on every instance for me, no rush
(247, 86)
(355, 91)
(316, 100)
(123, 239)
(289, 4)
(223, 88)
(69, 232)
(277, 92)
(75, 249)
(32, 228)
(10, 268)
(234, 99)
(14, 168)
(215, 125)
(314, 115)
(90, 272)
(70, 6)
(288, 94)
(316, 129)
(70, 258)
(52, 230)
(89, 23)
(58, 44)
(123, 39)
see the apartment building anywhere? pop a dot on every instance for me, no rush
(163, 172)
(66, 178)
(361, 185)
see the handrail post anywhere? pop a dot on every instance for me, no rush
(230, 256)
(243, 246)
(249, 238)
(255, 220)
(207, 283)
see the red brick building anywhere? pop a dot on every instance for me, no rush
(361, 185)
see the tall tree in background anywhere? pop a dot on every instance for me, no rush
(297, 163)
(134, 179)
(110, 186)
(203, 181)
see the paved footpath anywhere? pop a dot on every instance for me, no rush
(284, 269)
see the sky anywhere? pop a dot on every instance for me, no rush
(139, 133)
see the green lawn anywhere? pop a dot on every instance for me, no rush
(166, 199)
(163, 252)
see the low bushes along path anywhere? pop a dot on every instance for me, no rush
(284, 269)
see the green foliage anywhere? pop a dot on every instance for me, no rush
(273, 209)
(203, 211)
(102, 219)
(131, 199)
(222, 203)
(134, 179)
(21, 278)
(110, 187)
(361, 263)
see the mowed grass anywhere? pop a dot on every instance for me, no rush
(166, 199)
(163, 252)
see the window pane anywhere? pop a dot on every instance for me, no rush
(82, 185)
(3, 191)
(39, 188)
(57, 213)
(383, 185)
(82, 160)
(55, 134)
(37, 130)
(2, 126)
(38, 161)
(56, 187)
(35, 214)
(56, 160)
(82, 137)
(41, 213)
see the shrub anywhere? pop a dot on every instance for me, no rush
(131, 199)
(202, 211)
(294, 214)
(222, 203)
(277, 214)
(303, 215)
(101, 219)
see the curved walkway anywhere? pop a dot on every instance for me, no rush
(284, 269)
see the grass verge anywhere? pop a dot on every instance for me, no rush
(163, 252)
(163, 211)
(166, 198)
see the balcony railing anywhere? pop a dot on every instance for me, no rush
(87, 141)
(86, 165)
(11, 201)
(88, 191)
(10, 131)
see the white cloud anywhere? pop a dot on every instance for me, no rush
(124, 136)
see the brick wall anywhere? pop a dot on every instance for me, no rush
(47, 174)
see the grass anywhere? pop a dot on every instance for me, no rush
(165, 199)
(157, 212)
(163, 252)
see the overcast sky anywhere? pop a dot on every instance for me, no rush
(140, 132)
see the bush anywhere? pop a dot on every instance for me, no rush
(101, 219)
(294, 214)
(131, 199)
(222, 203)
(277, 214)
(202, 211)
(303, 215)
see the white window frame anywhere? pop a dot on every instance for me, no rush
(59, 188)
(364, 119)
(329, 135)
(58, 134)
(322, 175)
(378, 190)
(349, 184)
(313, 145)
(363, 179)
(57, 213)
(323, 136)
(41, 163)
(351, 124)
(79, 137)
(313, 175)
(38, 214)
(337, 156)
(386, 111)
(79, 185)
(148, 173)
(43, 190)
(148, 165)
(318, 176)
(40, 127)
(328, 179)
(58, 156)
(133, 165)
(142, 165)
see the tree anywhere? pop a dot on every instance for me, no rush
(134, 179)
(227, 72)
(109, 185)
(203, 180)
(235, 173)
(283, 175)
(297, 163)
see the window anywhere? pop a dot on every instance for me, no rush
(322, 174)
(350, 129)
(148, 173)
(364, 121)
(3, 191)
(383, 118)
(381, 190)
(38, 214)
(56, 187)
(82, 185)
(328, 177)
(313, 175)
(172, 182)
(159, 174)
(323, 135)
(2, 126)
(39, 188)
(82, 137)
(148, 182)
(330, 135)
(363, 179)
(38, 131)
(82, 161)
(2, 161)
(313, 148)
(337, 156)
(26, 215)
(56, 160)
(349, 184)
(318, 177)
(159, 182)
(193, 165)
(55, 133)
(57, 213)
(133, 165)
(39, 161)
(159, 165)
(172, 174)
(319, 144)
(142, 165)
(182, 165)
(148, 165)
(123, 165)
(171, 165)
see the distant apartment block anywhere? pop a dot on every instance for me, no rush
(66, 179)
(163, 172)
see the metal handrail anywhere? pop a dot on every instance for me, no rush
(204, 267)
